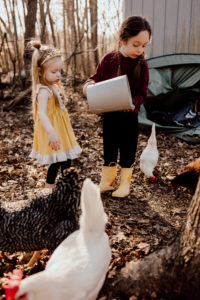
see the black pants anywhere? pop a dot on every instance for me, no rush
(54, 168)
(120, 134)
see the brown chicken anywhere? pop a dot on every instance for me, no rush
(188, 177)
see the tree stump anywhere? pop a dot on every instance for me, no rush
(170, 273)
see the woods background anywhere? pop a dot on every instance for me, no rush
(155, 238)
(83, 30)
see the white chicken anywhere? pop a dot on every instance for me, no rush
(149, 156)
(78, 266)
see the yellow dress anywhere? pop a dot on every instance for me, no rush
(59, 118)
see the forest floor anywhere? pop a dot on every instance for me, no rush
(139, 224)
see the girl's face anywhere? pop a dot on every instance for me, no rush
(52, 70)
(135, 46)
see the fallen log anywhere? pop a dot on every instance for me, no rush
(19, 98)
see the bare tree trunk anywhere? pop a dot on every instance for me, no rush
(65, 37)
(4, 58)
(94, 29)
(30, 21)
(8, 16)
(51, 24)
(103, 43)
(75, 43)
(16, 41)
(80, 34)
(24, 9)
(12, 58)
(8, 30)
(170, 273)
(1, 88)
(2, 69)
(19, 18)
(72, 38)
(87, 39)
(58, 40)
(42, 22)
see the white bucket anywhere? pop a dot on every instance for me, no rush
(110, 95)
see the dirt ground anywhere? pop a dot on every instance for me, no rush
(139, 224)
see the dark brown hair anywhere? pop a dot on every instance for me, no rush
(132, 27)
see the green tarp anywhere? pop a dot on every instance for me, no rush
(174, 80)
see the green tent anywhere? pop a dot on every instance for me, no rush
(173, 100)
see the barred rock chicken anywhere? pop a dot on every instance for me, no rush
(45, 222)
(149, 156)
(78, 266)
(188, 177)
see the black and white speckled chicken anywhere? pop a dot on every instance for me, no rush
(45, 222)
(188, 177)
(77, 268)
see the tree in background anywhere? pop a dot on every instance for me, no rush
(30, 22)
(94, 29)
(70, 25)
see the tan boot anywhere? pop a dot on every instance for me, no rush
(125, 181)
(107, 178)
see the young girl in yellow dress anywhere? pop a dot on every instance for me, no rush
(54, 140)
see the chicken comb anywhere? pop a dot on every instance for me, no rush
(12, 286)
(153, 179)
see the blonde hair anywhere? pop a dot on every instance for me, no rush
(41, 54)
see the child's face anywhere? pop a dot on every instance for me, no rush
(52, 70)
(135, 46)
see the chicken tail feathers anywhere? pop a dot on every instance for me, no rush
(93, 217)
(152, 138)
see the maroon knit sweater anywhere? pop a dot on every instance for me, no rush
(109, 66)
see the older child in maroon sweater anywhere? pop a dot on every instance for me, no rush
(120, 129)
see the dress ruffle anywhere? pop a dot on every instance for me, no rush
(55, 157)
(60, 99)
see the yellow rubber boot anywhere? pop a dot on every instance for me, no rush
(125, 181)
(107, 178)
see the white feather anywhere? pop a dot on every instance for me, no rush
(149, 156)
(78, 266)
